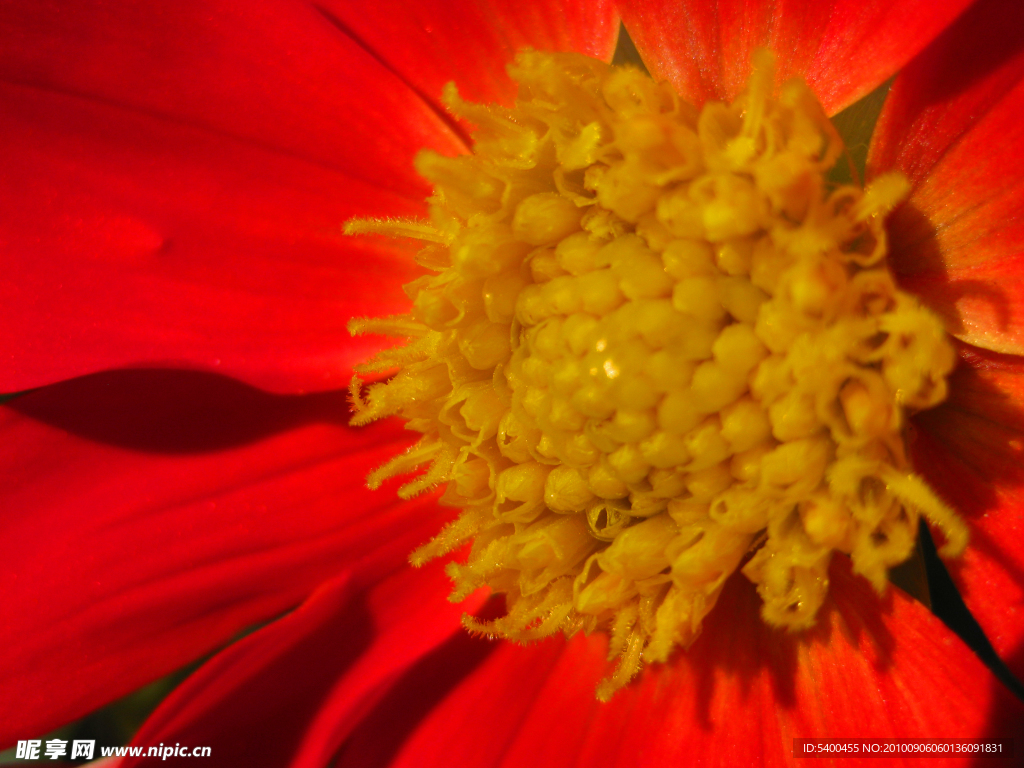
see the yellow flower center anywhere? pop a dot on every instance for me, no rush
(656, 346)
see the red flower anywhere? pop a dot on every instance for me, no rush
(174, 180)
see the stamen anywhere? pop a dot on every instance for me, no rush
(658, 347)
(415, 230)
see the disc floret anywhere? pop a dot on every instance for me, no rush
(656, 346)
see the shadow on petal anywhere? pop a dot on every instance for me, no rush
(381, 734)
(963, 300)
(169, 411)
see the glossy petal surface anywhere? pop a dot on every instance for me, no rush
(971, 450)
(952, 124)
(150, 516)
(844, 49)
(175, 181)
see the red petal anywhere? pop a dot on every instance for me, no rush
(485, 710)
(148, 520)
(872, 669)
(971, 450)
(284, 673)
(417, 619)
(275, 73)
(844, 49)
(431, 42)
(382, 731)
(175, 182)
(953, 84)
(952, 124)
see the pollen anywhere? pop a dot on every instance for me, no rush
(653, 346)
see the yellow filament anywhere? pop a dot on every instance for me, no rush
(416, 230)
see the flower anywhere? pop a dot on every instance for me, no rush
(178, 176)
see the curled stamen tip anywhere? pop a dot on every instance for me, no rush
(882, 195)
